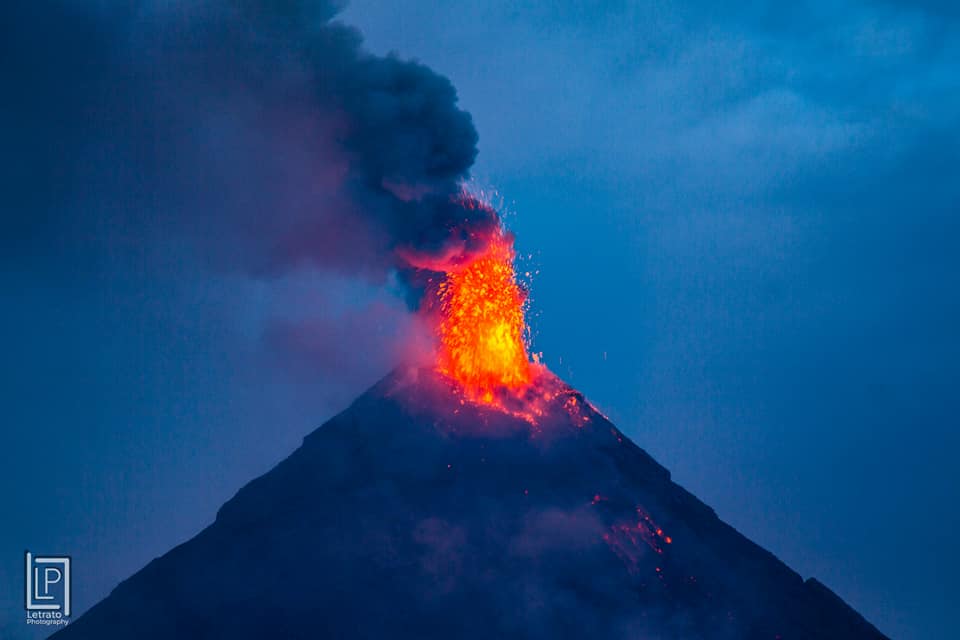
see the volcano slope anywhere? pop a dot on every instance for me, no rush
(416, 514)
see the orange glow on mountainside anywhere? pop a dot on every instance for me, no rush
(482, 331)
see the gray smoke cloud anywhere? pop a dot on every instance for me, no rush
(260, 133)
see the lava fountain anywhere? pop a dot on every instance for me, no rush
(482, 330)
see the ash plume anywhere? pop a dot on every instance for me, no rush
(261, 133)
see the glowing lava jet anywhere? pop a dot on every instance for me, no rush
(482, 331)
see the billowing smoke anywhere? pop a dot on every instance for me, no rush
(259, 132)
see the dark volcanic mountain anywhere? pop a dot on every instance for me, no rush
(416, 514)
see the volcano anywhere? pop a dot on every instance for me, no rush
(418, 513)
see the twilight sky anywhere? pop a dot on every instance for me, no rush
(745, 227)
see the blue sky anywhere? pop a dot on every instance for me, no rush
(744, 221)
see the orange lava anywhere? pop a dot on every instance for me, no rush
(482, 328)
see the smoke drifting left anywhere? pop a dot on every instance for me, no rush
(260, 133)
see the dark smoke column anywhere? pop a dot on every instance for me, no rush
(261, 131)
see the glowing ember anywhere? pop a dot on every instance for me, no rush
(482, 328)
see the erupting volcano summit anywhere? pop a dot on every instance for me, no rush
(482, 328)
(419, 513)
(477, 498)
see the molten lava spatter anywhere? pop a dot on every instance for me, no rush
(482, 327)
